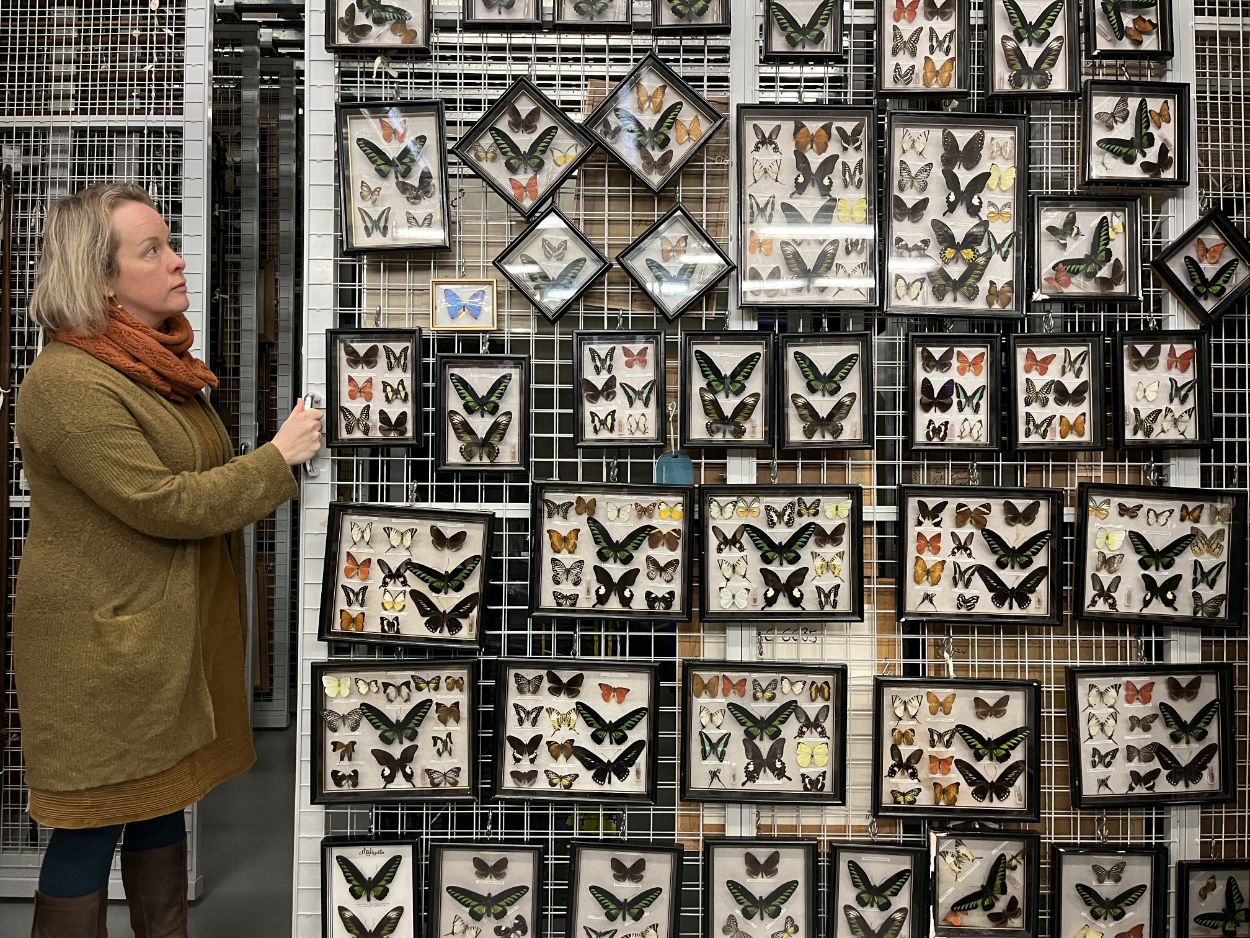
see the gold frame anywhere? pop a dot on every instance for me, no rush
(437, 284)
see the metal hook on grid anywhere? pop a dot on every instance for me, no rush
(1157, 474)
(1100, 827)
(1204, 203)
(620, 318)
(461, 267)
(612, 470)
(1048, 321)
(311, 399)
(718, 161)
(1141, 644)
(887, 669)
(455, 199)
(948, 652)
(1123, 67)
(377, 317)
(974, 475)
(1152, 322)
(412, 493)
(948, 325)
(872, 828)
(772, 470)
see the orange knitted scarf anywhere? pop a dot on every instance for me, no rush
(160, 360)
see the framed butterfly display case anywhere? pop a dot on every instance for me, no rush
(767, 732)
(985, 883)
(928, 48)
(1129, 29)
(463, 306)
(1086, 248)
(959, 748)
(600, 16)
(826, 400)
(585, 733)
(726, 389)
(1056, 391)
(372, 387)
(611, 551)
(991, 555)
(690, 16)
(552, 264)
(807, 200)
(957, 217)
(1162, 387)
(393, 176)
(878, 889)
(390, 731)
(369, 886)
(790, 553)
(1134, 135)
(675, 262)
(1211, 897)
(492, 886)
(624, 884)
(1099, 887)
(755, 887)
(405, 576)
(1208, 267)
(1152, 733)
(1036, 49)
(483, 412)
(524, 147)
(620, 393)
(1166, 555)
(953, 391)
(802, 29)
(379, 24)
(501, 15)
(653, 122)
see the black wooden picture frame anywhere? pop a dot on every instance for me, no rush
(1207, 267)
(593, 16)
(538, 264)
(475, 416)
(629, 878)
(352, 863)
(977, 855)
(776, 862)
(485, 870)
(1158, 147)
(1202, 889)
(690, 16)
(1172, 411)
(1056, 392)
(350, 29)
(1110, 871)
(1123, 40)
(954, 391)
(793, 31)
(1072, 229)
(817, 373)
(734, 410)
(880, 864)
(673, 283)
(375, 394)
(481, 15)
(903, 69)
(1030, 60)
(625, 373)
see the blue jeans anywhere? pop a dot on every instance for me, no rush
(77, 862)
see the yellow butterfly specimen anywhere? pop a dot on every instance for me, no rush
(853, 210)
(1001, 178)
(922, 572)
(688, 133)
(558, 719)
(484, 154)
(1099, 509)
(566, 542)
(808, 754)
(653, 99)
(566, 156)
(1117, 225)
(1109, 538)
(999, 213)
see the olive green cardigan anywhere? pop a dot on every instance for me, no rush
(106, 631)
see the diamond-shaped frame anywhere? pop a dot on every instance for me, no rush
(649, 261)
(528, 259)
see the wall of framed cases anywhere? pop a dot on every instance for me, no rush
(605, 202)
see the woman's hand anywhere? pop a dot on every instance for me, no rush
(299, 437)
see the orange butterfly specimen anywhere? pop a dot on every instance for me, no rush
(1161, 116)
(938, 76)
(1033, 363)
(728, 687)
(1137, 931)
(905, 12)
(688, 133)
(566, 542)
(952, 917)
(1000, 294)
(1069, 428)
(356, 389)
(1060, 281)
(1138, 694)
(808, 139)
(931, 545)
(392, 133)
(975, 364)
(1139, 29)
(946, 794)
(1210, 253)
(922, 572)
(523, 190)
(705, 686)
(351, 623)
(940, 766)
(653, 99)
(406, 36)
(1180, 362)
(760, 245)
(357, 568)
(613, 693)
(674, 248)
(819, 690)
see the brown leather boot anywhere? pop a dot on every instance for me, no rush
(156, 890)
(79, 917)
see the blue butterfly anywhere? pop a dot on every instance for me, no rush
(457, 304)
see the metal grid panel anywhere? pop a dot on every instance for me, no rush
(467, 72)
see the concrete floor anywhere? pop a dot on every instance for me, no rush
(246, 838)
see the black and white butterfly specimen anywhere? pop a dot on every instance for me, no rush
(524, 750)
(395, 767)
(621, 587)
(964, 194)
(757, 761)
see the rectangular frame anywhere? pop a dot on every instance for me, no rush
(1125, 248)
(802, 857)
(562, 22)
(816, 387)
(669, 504)
(455, 717)
(1179, 120)
(372, 345)
(1128, 347)
(970, 394)
(1099, 46)
(910, 697)
(826, 693)
(526, 724)
(419, 44)
(1005, 42)
(778, 45)
(1110, 883)
(474, 17)
(711, 267)
(402, 889)
(949, 853)
(758, 381)
(1190, 884)
(487, 307)
(647, 358)
(662, 23)
(555, 221)
(516, 431)
(956, 50)
(912, 895)
(623, 859)
(468, 623)
(1223, 227)
(1087, 725)
(489, 855)
(1034, 356)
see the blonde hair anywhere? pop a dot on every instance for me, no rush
(80, 257)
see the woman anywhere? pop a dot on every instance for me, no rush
(128, 633)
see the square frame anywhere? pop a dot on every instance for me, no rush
(557, 223)
(1005, 42)
(1099, 46)
(669, 22)
(365, 851)
(522, 197)
(1127, 417)
(821, 350)
(654, 283)
(465, 708)
(1086, 729)
(828, 731)
(1125, 240)
(1181, 248)
(483, 851)
(486, 321)
(526, 724)
(802, 855)
(338, 39)
(1056, 362)
(1155, 902)
(757, 381)
(391, 176)
(513, 436)
(778, 46)
(864, 854)
(641, 353)
(1189, 885)
(966, 394)
(468, 622)
(562, 22)
(907, 705)
(627, 853)
(954, 844)
(910, 81)
(474, 16)
(365, 346)
(1174, 93)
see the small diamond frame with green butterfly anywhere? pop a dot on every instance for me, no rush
(501, 15)
(467, 305)
(771, 881)
(675, 263)
(482, 413)
(1100, 886)
(524, 147)
(620, 391)
(374, 393)
(489, 888)
(727, 387)
(826, 398)
(1211, 895)
(1207, 268)
(803, 30)
(624, 885)
(1056, 394)
(1086, 248)
(1129, 30)
(877, 888)
(984, 883)
(397, 27)
(552, 264)
(1134, 135)
(1161, 390)
(369, 880)
(1036, 49)
(392, 159)
(953, 391)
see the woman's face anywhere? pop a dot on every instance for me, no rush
(149, 282)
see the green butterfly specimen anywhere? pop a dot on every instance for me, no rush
(591, 8)
(670, 283)
(401, 163)
(550, 289)
(998, 748)
(826, 383)
(1228, 921)
(1037, 31)
(796, 33)
(529, 159)
(392, 731)
(475, 403)
(968, 283)
(1036, 74)
(1213, 286)
(614, 551)
(1019, 557)
(382, 13)
(1131, 149)
(690, 9)
(892, 927)
(640, 394)
(736, 381)
(658, 135)
(1114, 10)
(769, 906)
(499, 5)
(986, 897)
(1162, 559)
(633, 908)
(603, 730)
(474, 446)
(1189, 731)
(869, 893)
(480, 906)
(373, 887)
(444, 581)
(789, 553)
(384, 929)
(1115, 908)
(1098, 255)
(375, 224)
(759, 727)
(1205, 577)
